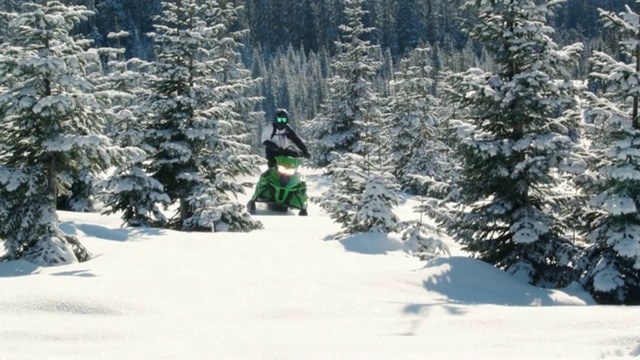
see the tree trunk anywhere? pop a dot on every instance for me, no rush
(184, 209)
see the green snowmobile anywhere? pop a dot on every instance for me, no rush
(281, 188)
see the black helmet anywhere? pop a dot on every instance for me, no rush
(281, 118)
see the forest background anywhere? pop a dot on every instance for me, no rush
(289, 43)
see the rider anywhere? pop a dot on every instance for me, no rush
(277, 137)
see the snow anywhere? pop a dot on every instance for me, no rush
(287, 292)
(619, 205)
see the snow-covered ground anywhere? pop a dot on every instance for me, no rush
(287, 292)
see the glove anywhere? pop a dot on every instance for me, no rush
(306, 154)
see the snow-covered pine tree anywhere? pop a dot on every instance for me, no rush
(513, 142)
(613, 272)
(51, 123)
(129, 189)
(361, 196)
(227, 156)
(196, 130)
(423, 239)
(85, 187)
(340, 124)
(419, 155)
(363, 190)
(374, 212)
(318, 91)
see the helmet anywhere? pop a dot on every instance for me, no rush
(281, 118)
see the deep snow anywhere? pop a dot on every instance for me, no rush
(288, 292)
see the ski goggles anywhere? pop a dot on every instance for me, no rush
(282, 120)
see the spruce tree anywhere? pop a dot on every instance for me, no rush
(363, 191)
(420, 156)
(423, 240)
(362, 195)
(513, 140)
(51, 122)
(200, 142)
(227, 158)
(408, 25)
(85, 186)
(129, 190)
(613, 271)
(421, 159)
(340, 125)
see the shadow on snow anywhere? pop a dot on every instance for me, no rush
(371, 243)
(471, 281)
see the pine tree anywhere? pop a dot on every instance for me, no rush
(318, 90)
(129, 189)
(385, 24)
(374, 212)
(361, 196)
(83, 185)
(613, 272)
(228, 155)
(363, 191)
(408, 25)
(423, 240)
(340, 126)
(200, 141)
(51, 122)
(513, 141)
(420, 156)
(328, 14)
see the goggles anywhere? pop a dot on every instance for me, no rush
(282, 119)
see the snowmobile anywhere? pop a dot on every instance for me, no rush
(281, 188)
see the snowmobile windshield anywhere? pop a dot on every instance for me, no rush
(288, 161)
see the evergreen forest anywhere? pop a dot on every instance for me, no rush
(515, 122)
